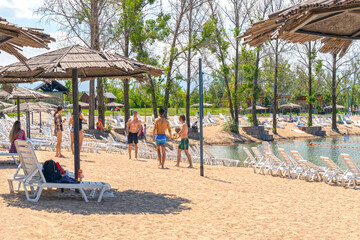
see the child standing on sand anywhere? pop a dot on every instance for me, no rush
(184, 144)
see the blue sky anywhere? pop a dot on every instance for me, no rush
(20, 12)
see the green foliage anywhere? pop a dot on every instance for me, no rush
(250, 118)
(230, 126)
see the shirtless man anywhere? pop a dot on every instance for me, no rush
(133, 129)
(184, 144)
(160, 126)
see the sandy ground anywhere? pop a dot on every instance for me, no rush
(176, 203)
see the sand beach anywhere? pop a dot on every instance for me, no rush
(176, 203)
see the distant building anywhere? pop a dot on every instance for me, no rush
(53, 88)
(108, 98)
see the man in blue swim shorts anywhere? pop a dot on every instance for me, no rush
(159, 137)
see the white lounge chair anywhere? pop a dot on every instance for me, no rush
(13, 155)
(294, 170)
(250, 160)
(34, 179)
(353, 168)
(347, 125)
(262, 163)
(334, 173)
(312, 171)
(277, 167)
(266, 147)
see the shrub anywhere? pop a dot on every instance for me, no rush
(250, 118)
(230, 126)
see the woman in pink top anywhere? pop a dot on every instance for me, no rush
(16, 134)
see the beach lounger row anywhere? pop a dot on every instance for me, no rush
(294, 166)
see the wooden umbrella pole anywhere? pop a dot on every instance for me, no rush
(18, 107)
(28, 124)
(76, 120)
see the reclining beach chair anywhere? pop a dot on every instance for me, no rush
(261, 163)
(250, 160)
(311, 169)
(13, 155)
(353, 169)
(266, 147)
(34, 179)
(334, 173)
(277, 167)
(294, 171)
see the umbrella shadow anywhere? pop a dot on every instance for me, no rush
(8, 164)
(125, 202)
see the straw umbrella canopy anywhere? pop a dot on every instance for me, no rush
(5, 105)
(114, 104)
(13, 38)
(77, 62)
(82, 104)
(30, 107)
(17, 93)
(334, 22)
(205, 105)
(337, 107)
(257, 108)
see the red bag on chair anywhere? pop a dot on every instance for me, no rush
(62, 171)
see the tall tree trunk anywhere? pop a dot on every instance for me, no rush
(275, 105)
(353, 90)
(236, 103)
(333, 94)
(92, 104)
(126, 101)
(126, 54)
(310, 84)
(100, 99)
(95, 44)
(168, 88)
(255, 90)
(188, 79)
(172, 59)
(153, 97)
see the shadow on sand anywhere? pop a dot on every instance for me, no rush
(126, 202)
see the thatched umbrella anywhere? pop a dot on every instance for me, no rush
(4, 104)
(257, 108)
(82, 104)
(290, 106)
(205, 105)
(13, 38)
(337, 107)
(115, 104)
(30, 107)
(74, 62)
(335, 22)
(17, 93)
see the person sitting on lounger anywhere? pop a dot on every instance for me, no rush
(16, 134)
(159, 136)
(100, 126)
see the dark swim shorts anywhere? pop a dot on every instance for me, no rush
(132, 138)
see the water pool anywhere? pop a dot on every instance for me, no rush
(309, 149)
